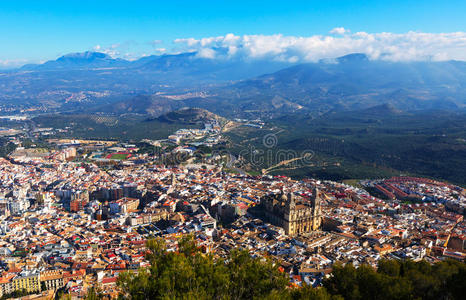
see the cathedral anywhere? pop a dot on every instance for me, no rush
(295, 216)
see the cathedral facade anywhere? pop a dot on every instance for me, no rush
(294, 214)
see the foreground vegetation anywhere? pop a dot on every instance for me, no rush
(189, 274)
(399, 280)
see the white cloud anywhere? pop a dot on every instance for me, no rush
(339, 30)
(12, 63)
(340, 41)
(388, 46)
(124, 49)
(190, 41)
(206, 53)
(111, 50)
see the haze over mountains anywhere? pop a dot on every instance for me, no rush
(154, 85)
(93, 77)
(354, 82)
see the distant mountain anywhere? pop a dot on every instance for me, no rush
(93, 81)
(190, 65)
(84, 60)
(348, 83)
(385, 109)
(351, 82)
(152, 105)
(186, 64)
(353, 58)
(80, 80)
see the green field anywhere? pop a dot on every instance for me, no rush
(119, 156)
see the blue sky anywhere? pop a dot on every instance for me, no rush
(32, 31)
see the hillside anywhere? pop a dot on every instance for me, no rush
(190, 116)
(124, 128)
(379, 141)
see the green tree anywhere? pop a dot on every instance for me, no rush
(94, 294)
(399, 280)
(189, 273)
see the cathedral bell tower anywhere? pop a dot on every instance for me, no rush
(290, 203)
(289, 212)
(173, 179)
(316, 212)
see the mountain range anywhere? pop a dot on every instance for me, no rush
(154, 85)
(352, 82)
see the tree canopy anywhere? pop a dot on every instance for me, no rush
(188, 273)
(399, 280)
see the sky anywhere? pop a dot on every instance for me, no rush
(36, 31)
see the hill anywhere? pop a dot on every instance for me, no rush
(123, 128)
(190, 116)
